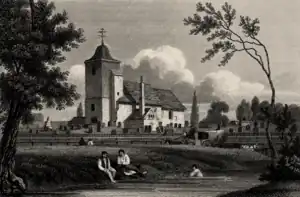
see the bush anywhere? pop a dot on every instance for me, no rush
(288, 166)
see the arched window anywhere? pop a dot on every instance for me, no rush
(92, 107)
(93, 70)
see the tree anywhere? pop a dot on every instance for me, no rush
(215, 115)
(29, 54)
(79, 110)
(243, 111)
(195, 112)
(255, 107)
(239, 112)
(261, 115)
(217, 27)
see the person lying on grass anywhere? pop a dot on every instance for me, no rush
(196, 172)
(125, 167)
(104, 165)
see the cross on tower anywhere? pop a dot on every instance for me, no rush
(102, 36)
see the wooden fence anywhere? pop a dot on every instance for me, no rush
(97, 139)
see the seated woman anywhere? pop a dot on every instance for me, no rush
(196, 172)
(125, 167)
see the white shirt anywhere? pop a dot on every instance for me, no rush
(125, 160)
(196, 173)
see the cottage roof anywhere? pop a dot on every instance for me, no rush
(77, 121)
(136, 114)
(153, 96)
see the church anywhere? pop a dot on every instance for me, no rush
(111, 100)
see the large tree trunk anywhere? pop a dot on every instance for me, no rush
(8, 150)
(268, 134)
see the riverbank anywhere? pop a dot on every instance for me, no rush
(46, 167)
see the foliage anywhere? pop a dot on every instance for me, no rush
(288, 166)
(255, 107)
(243, 111)
(195, 111)
(30, 58)
(80, 110)
(32, 43)
(219, 28)
(215, 115)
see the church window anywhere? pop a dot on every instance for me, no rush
(170, 115)
(118, 93)
(175, 125)
(93, 70)
(93, 107)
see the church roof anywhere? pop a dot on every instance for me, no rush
(102, 53)
(153, 96)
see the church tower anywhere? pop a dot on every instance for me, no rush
(103, 85)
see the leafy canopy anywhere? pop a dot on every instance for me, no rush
(29, 55)
(218, 27)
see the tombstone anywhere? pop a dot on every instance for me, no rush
(90, 129)
(240, 129)
(98, 126)
(68, 132)
(248, 128)
(262, 125)
(113, 132)
(125, 131)
(186, 123)
(119, 125)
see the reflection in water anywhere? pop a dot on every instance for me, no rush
(122, 193)
(147, 194)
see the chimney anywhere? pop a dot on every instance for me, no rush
(142, 97)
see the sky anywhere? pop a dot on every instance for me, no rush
(149, 37)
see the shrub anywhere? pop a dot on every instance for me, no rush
(288, 166)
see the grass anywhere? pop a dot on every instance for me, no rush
(47, 167)
(290, 189)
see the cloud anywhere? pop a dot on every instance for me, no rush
(77, 77)
(232, 89)
(165, 67)
(166, 64)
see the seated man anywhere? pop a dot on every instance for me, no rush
(196, 172)
(104, 165)
(125, 166)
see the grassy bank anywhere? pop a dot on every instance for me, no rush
(60, 166)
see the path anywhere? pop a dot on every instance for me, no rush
(170, 188)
